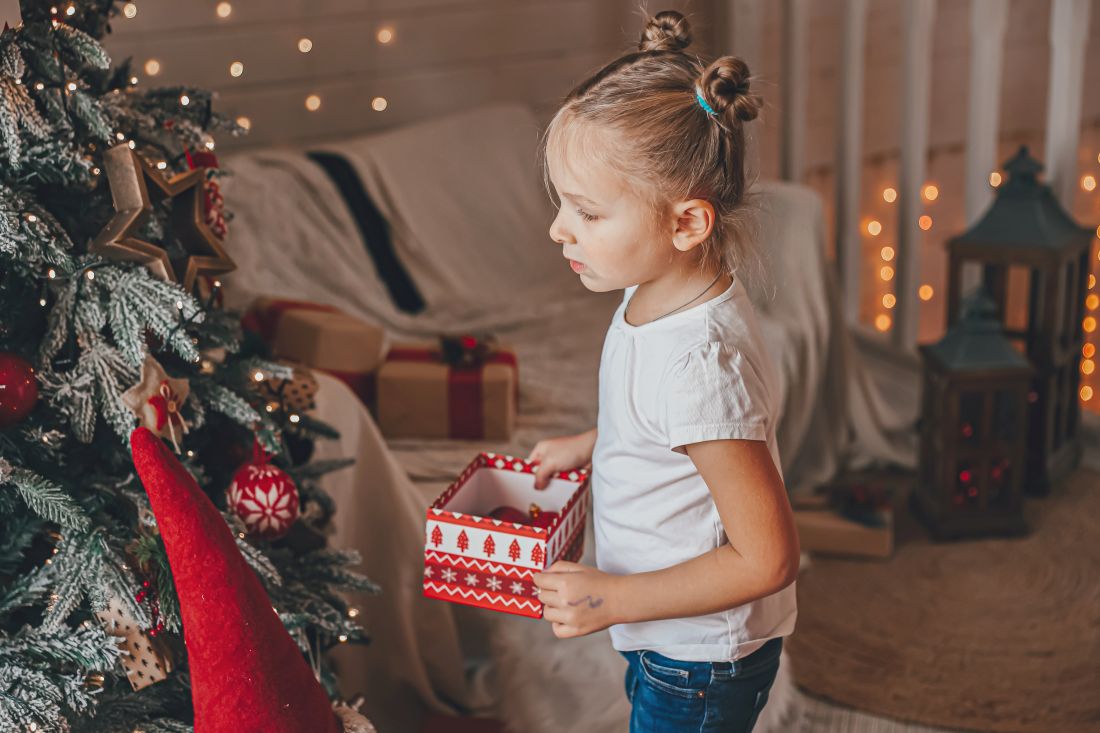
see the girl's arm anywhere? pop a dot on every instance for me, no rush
(761, 557)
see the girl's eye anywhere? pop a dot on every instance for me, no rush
(586, 216)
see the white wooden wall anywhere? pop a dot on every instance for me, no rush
(445, 55)
(901, 93)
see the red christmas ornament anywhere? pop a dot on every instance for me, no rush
(263, 496)
(534, 517)
(18, 389)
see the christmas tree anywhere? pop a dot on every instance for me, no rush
(111, 239)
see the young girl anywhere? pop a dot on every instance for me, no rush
(695, 543)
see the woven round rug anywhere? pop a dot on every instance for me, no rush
(989, 634)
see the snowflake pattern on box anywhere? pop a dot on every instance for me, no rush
(489, 563)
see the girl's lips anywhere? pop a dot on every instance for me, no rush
(577, 266)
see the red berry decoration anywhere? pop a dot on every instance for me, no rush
(18, 389)
(263, 496)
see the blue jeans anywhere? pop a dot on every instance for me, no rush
(672, 696)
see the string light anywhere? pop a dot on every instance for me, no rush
(90, 274)
(133, 80)
(224, 9)
(258, 376)
(931, 193)
(1088, 350)
(209, 144)
(1086, 393)
(1087, 366)
(32, 218)
(161, 165)
(236, 68)
(185, 100)
(39, 86)
(874, 228)
(244, 122)
(131, 145)
(889, 300)
(925, 222)
(152, 67)
(886, 273)
(887, 253)
(342, 638)
(378, 104)
(70, 11)
(1088, 183)
(353, 612)
(994, 179)
(71, 86)
(889, 195)
(925, 292)
(305, 45)
(52, 273)
(385, 35)
(882, 322)
(1092, 301)
(313, 102)
(294, 419)
(129, 10)
(1090, 324)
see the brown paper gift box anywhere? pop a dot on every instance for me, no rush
(318, 335)
(826, 532)
(415, 394)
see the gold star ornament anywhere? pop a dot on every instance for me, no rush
(129, 175)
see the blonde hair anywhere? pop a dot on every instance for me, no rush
(671, 147)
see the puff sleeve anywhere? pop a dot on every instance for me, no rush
(712, 392)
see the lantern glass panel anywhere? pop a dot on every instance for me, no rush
(1006, 415)
(1070, 319)
(1000, 481)
(1017, 305)
(970, 417)
(964, 494)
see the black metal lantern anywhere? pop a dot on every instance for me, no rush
(973, 428)
(1027, 229)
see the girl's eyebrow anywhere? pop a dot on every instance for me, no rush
(579, 198)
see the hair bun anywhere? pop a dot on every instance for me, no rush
(725, 86)
(668, 30)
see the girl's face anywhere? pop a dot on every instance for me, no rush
(609, 229)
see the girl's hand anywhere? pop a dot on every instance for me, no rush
(576, 598)
(560, 454)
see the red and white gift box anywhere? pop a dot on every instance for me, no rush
(476, 560)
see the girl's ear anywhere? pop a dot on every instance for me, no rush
(694, 223)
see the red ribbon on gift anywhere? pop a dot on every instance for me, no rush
(265, 321)
(464, 396)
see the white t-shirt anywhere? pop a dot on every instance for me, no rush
(699, 374)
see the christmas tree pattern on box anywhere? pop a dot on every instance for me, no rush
(473, 559)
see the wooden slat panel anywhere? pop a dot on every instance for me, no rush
(279, 117)
(988, 21)
(915, 90)
(849, 154)
(348, 48)
(1068, 32)
(795, 73)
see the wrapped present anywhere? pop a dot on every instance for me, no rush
(827, 532)
(460, 388)
(473, 559)
(318, 335)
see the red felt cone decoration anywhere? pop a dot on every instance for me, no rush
(247, 674)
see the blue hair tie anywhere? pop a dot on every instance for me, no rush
(703, 103)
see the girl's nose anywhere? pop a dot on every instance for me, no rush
(557, 232)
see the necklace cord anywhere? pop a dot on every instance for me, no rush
(690, 301)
